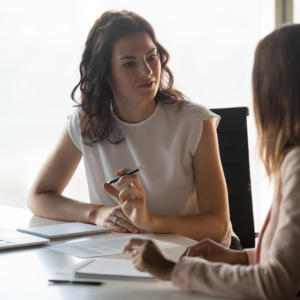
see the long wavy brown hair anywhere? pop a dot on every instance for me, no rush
(276, 95)
(96, 121)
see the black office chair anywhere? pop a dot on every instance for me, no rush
(233, 142)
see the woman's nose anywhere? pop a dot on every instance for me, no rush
(145, 69)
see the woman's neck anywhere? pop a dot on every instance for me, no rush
(134, 113)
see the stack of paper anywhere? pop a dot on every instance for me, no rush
(64, 230)
(111, 268)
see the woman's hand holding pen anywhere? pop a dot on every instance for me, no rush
(131, 196)
(114, 219)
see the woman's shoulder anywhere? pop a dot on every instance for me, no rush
(77, 111)
(189, 109)
(74, 120)
(292, 155)
(75, 116)
(291, 161)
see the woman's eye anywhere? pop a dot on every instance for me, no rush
(152, 57)
(128, 64)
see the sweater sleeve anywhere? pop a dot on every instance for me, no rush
(251, 253)
(277, 278)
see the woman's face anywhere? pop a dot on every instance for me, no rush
(135, 69)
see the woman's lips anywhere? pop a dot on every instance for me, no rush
(148, 84)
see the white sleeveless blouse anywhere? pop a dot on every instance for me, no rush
(165, 142)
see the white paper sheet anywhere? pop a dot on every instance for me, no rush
(99, 246)
(63, 230)
(111, 268)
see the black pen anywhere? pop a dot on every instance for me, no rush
(53, 281)
(127, 173)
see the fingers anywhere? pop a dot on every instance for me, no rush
(184, 253)
(114, 227)
(187, 252)
(121, 226)
(147, 257)
(133, 180)
(209, 250)
(117, 221)
(132, 199)
(195, 251)
(127, 226)
(137, 260)
(128, 193)
(127, 179)
(136, 248)
(121, 172)
(199, 249)
(109, 188)
(132, 244)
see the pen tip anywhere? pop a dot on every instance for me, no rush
(142, 167)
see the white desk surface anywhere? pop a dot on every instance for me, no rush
(24, 272)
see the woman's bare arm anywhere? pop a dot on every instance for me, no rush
(45, 197)
(213, 220)
(46, 200)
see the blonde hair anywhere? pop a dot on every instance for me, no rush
(276, 95)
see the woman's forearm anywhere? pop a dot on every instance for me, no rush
(52, 205)
(193, 226)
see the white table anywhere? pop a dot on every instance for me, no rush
(24, 272)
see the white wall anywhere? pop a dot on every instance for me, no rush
(211, 45)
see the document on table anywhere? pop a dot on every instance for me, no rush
(66, 229)
(111, 268)
(99, 245)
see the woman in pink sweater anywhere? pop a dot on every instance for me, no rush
(272, 270)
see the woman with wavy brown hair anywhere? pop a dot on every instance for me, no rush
(129, 114)
(272, 270)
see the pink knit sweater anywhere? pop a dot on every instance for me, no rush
(274, 266)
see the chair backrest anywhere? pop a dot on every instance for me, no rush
(233, 143)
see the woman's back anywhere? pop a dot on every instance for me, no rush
(276, 261)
